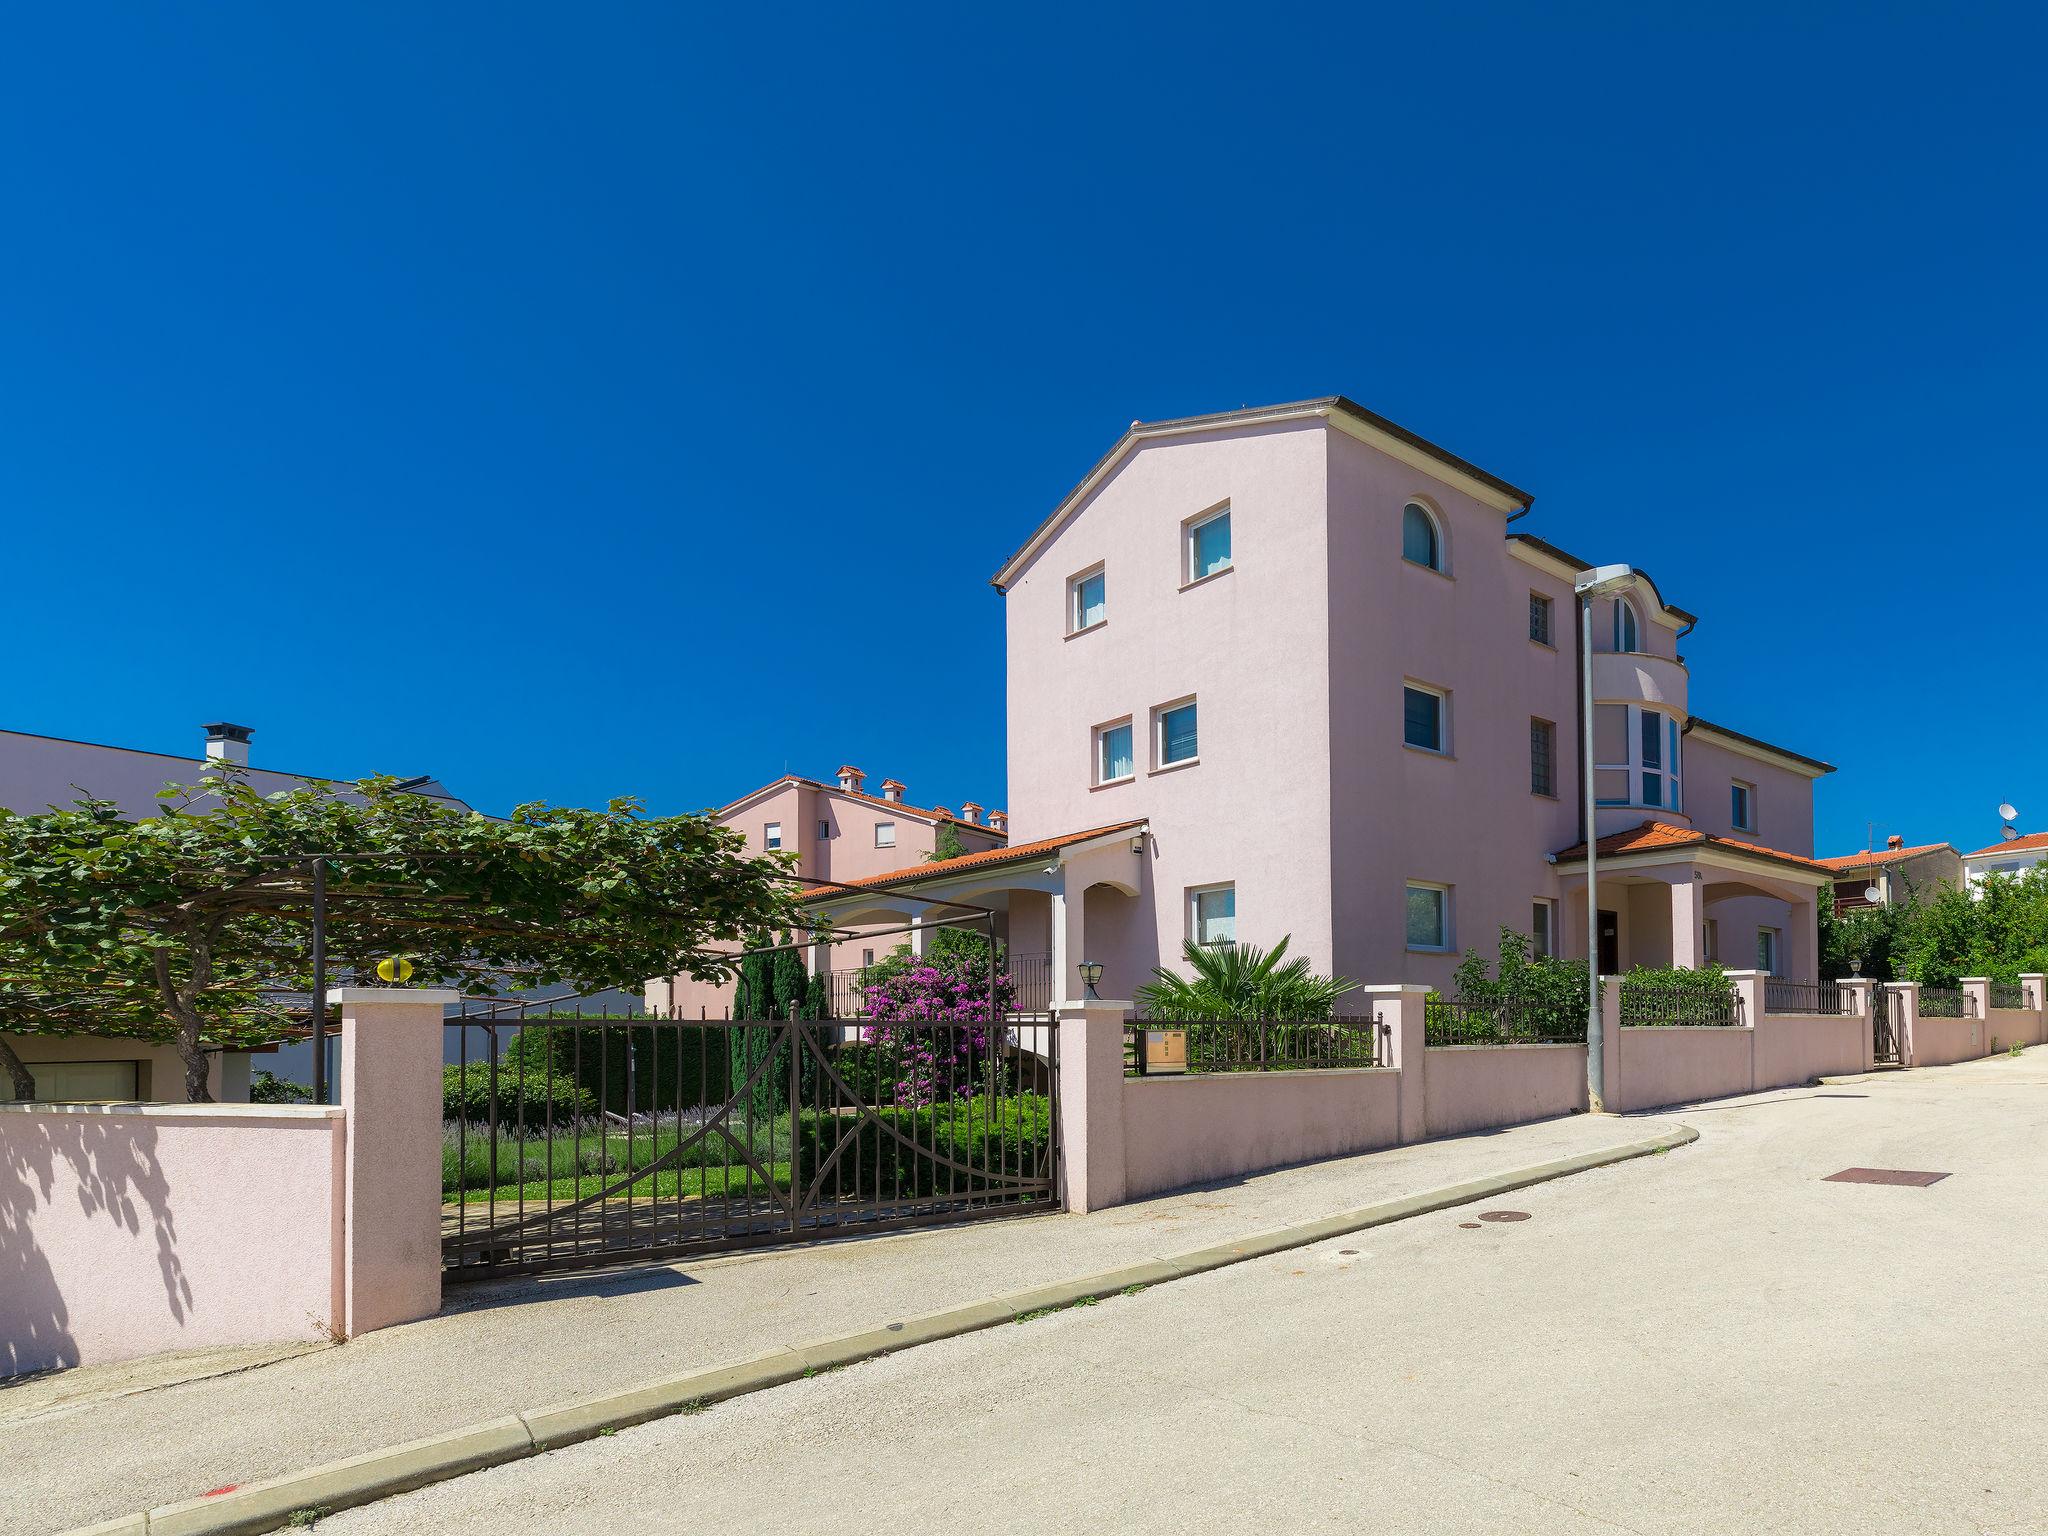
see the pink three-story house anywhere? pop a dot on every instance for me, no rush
(1296, 671)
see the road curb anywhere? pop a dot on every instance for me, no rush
(337, 1485)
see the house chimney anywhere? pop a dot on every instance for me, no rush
(892, 790)
(228, 743)
(970, 813)
(943, 812)
(850, 779)
(999, 821)
(1895, 841)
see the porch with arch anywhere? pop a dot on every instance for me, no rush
(1673, 896)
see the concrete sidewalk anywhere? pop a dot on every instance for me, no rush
(92, 1444)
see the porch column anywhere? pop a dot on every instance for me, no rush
(918, 932)
(1069, 940)
(1688, 922)
(391, 1215)
(1801, 961)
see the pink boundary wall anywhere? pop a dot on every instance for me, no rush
(1125, 1138)
(128, 1230)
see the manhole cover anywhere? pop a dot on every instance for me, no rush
(1503, 1215)
(1471, 1224)
(1884, 1176)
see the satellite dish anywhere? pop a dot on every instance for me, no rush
(2006, 812)
(1872, 894)
(2010, 834)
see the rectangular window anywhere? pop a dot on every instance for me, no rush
(1212, 914)
(1208, 545)
(1113, 760)
(867, 957)
(1174, 737)
(885, 834)
(771, 835)
(1088, 601)
(1742, 806)
(1429, 917)
(1422, 718)
(1542, 758)
(1766, 951)
(824, 830)
(1543, 928)
(1539, 618)
(81, 1082)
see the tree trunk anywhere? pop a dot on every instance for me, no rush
(195, 1064)
(17, 1071)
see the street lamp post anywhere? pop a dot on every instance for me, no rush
(1591, 584)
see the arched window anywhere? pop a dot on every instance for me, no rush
(1420, 540)
(1626, 633)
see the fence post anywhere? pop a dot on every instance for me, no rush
(2035, 989)
(1091, 1125)
(1857, 992)
(1905, 1016)
(391, 1189)
(1399, 1009)
(1978, 990)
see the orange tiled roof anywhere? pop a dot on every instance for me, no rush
(1847, 861)
(2028, 844)
(987, 857)
(1653, 835)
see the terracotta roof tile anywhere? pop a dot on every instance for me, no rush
(1653, 834)
(1879, 856)
(982, 860)
(935, 813)
(2032, 842)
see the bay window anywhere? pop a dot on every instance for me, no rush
(1636, 757)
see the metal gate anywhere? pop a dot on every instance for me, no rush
(578, 1140)
(1884, 1030)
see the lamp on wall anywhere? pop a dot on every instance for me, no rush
(1091, 973)
(1597, 582)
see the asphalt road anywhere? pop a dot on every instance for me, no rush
(1713, 1340)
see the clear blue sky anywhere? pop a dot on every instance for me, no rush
(581, 400)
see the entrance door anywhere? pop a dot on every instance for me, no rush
(1610, 944)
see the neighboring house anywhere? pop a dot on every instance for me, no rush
(839, 832)
(38, 772)
(2013, 858)
(1895, 872)
(1291, 671)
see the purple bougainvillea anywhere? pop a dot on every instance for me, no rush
(932, 1026)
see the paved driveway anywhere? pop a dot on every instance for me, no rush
(1715, 1340)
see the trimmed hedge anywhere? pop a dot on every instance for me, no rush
(466, 1095)
(664, 1077)
(1012, 1133)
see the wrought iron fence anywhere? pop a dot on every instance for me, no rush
(1946, 1003)
(2006, 994)
(1261, 1045)
(1034, 982)
(1681, 1006)
(573, 1140)
(1819, 997)
(1505, 1022)
(846, 994)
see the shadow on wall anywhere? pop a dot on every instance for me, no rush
(107, 1165)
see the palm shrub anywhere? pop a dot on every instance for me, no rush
(1241, 981)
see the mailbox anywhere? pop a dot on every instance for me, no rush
(1163, 1051)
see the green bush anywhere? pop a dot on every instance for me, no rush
(1011, 1133)
(1669, 995)
(523, 1094)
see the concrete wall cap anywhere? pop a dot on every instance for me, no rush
(1092, 1005)
(241, 1112)
(1396, 989)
